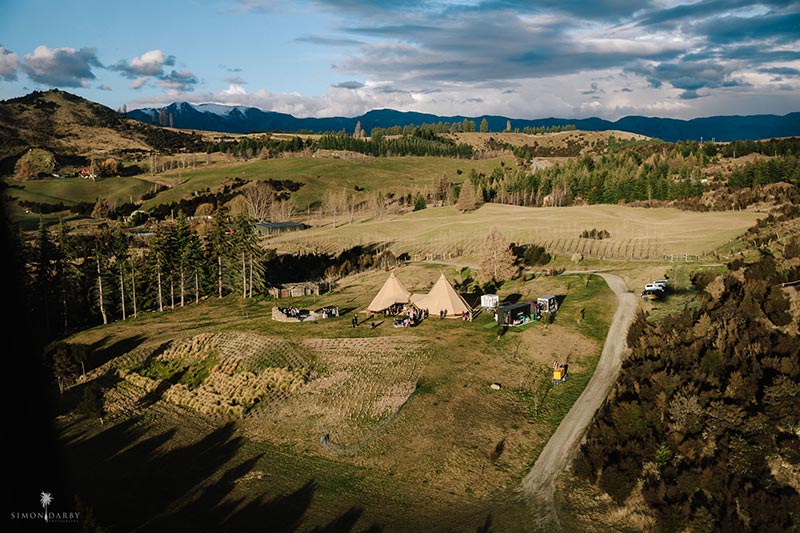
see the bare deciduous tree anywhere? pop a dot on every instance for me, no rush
(259, 196)
(281, 211)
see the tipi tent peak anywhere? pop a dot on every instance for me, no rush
(393, 292)
(442, 297)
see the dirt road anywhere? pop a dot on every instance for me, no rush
(538, 486)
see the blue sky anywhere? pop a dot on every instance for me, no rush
(524, 59)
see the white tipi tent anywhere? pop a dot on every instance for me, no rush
(441, 296)
(391, 293)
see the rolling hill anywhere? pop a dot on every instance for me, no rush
(76, 129)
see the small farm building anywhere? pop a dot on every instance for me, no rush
(275, 228)
(294, 290)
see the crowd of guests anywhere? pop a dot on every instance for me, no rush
(409, 316)
(292, 312)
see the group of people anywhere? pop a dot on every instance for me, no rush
(466, 316)
(406, 322)
(292, 312)
(396, 309)
(328, 312)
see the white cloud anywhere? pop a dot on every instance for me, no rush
(149, 64)
(61, 67)
(234, 89)
(9, 63)
(139, 82)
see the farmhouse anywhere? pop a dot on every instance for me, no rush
(303, 288)
(276, 228)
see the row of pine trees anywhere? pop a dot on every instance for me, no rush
(74, 280)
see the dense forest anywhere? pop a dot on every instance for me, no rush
(635, 171)
(705, 410)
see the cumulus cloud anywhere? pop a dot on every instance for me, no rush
(104, 87)
(61, 67)
(234, 89)
(9, 63)
(569, 58)
(150, 63)
(681, 51)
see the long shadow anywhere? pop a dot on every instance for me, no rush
(156, 394)
(560, 299)
(512, 298)
(99, 356)
(486, 527)
(342, 524)
(73, 396)
(154, 486)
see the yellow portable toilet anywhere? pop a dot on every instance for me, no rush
(558, 372)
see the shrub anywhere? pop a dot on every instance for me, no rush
(594, 233)
(536, 255)
(702, 278)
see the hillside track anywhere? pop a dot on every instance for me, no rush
(538, 486)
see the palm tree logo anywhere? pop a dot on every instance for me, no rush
(45, 499)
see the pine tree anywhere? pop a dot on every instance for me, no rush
(484, 126)
(43, 276)
(218, 248)
(121, 247)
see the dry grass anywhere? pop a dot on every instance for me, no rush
(548, 140)
(410, 410)
(636, 233)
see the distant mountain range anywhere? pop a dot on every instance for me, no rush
(241, 119)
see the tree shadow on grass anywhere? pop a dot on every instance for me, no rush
(512, 298)
(100, 355)
(153, 486)
(73, 396)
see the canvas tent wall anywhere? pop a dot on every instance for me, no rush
(393, 292)
(442, 296)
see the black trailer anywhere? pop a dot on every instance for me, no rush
(508, 314)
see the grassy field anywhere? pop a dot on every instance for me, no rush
(399, 175)
(636, 233)
(443, 454)
(70, 191)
